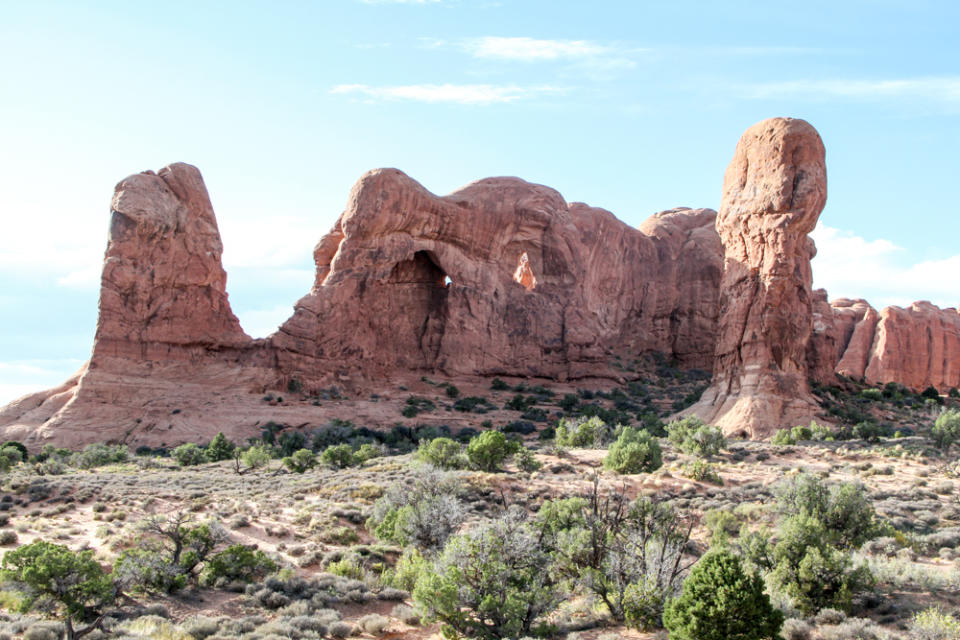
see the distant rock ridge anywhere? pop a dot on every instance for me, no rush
(502, 277)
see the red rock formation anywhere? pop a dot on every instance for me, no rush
(499, 278)
(918, 347)
(163, 288)
(502, 277)
(773, 193)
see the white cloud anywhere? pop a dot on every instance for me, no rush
(531, 49)
(11, 392)
(850, 266)
(287, 242)
(471, 94)
(20, 377)
(945, 89)
(260, 323)
(403, 1)
(86, 278)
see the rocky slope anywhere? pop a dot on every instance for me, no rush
(502, 277)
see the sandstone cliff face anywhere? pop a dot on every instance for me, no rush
(918, 347)
(773, 193)
(502, 277)
(163, 288)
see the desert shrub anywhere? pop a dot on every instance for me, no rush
(525, 461)
(55, 577)
(148, 570)
(349, 566)
(171, 548)
(476, 404)
(796, 629)
(338, 456)
(405, 614)
(423, 512)
(98, 455)
(946, 428)
(720, 600)
(691, 435)
(368, 451)
(301, 461)
(869, 431)
(722, 525)
(220, 448)
(498, 385)
(237, 562)
(634, 452)
(19, 446)
(200, 627)
(290, 442)
(953, 393)
(852, 629)
(415, 405)
(812, 571)
(844, 509)
(340, 629)
(452, 391)
(374, 623)
(520, 402)
(492, 582)
(872, 394)
(627, 555)
(783, 437)
(523, 427)
(702, 471)
(404, 574)
(830, 616)
(9, 458)
(488, 450)
(819, 432)
(8, 537)
(188, 455)
(931, 393)
(43, 630)
(256, 457)
(443, 453)
(934, 624)
(591, 433)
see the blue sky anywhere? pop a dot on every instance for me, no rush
(634, 106)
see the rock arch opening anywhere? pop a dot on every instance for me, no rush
(420, 287)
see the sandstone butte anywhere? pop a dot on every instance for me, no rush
(500, 278)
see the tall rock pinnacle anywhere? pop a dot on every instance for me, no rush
(773, 192)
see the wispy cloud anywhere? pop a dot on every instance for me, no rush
(577, 53)
(87, 277)
(403, 1)
(850, 266)
(470, 94)
(20, 377)
(942, 88)
(532, 49)
(779, 50)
